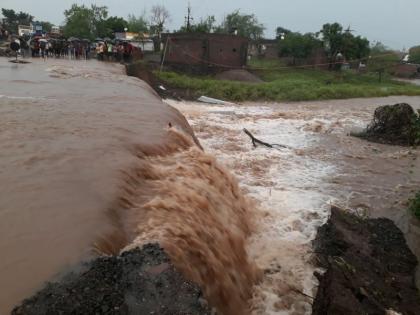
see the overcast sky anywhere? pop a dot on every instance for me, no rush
(395, 23)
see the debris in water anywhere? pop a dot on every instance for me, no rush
(209, 100)
(394, 124)
(256, 141)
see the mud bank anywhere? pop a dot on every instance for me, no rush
(140, 281)
(369, 267)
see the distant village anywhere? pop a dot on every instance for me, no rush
(201, 46)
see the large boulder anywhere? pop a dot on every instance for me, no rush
(369, 267)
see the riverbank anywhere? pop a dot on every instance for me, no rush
(140, 281)
(288, 85)
(369, 267)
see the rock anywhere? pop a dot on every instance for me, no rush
(141, 281)
(369, 267)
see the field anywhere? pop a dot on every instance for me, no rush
(291, 84)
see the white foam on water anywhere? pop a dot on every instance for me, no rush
(289, 186)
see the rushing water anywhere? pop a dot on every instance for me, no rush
(94, 160)
(295, 186)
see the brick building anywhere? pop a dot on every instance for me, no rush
(204, 52)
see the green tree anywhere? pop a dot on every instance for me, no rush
(79, 22)
(332, 39)
(85, 22)
(414, 54)
(138, 24)
(107, 28)
(336, 40)
(298, 45)
(354, 47)
(282, 32)
(205, 25)
(246, 25)
(12, 19)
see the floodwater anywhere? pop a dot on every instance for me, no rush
(295, 186)
(67, 129)
(93, 160)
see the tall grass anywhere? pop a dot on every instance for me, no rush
(292, 85)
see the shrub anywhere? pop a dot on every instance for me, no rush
(415, 206)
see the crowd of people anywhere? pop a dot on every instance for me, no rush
(116, 51)
(72, 48)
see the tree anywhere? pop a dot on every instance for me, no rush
(281, 32)
(108, 27)
(12, 19)
(91, 22)
(335, 41)
(246, 25)
(298, 45)
(354, 47)
(414, 54)
(206, 25)
(158, 18)
(332, 39)
(99, 24)
(138, 24)
(79, 22)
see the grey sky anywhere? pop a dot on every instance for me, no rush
(396, 23)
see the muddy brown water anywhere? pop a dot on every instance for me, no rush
(86, 158)
(67, 129)
(295, 187)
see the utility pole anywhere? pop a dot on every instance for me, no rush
(189, 18)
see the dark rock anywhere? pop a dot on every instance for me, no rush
(120, 285)
(369, 267)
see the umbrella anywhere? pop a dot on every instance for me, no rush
(107, 39)
(98, 39)
(43, 40)
(73, 39)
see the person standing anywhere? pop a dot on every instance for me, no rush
(110, 51)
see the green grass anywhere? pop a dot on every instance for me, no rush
(415, 206)
(291, 85)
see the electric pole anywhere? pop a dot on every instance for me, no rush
(189, 18)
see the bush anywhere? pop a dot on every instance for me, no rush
(415, 206)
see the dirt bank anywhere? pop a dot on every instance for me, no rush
(369, 267)
(144, 71)
(140, 281)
